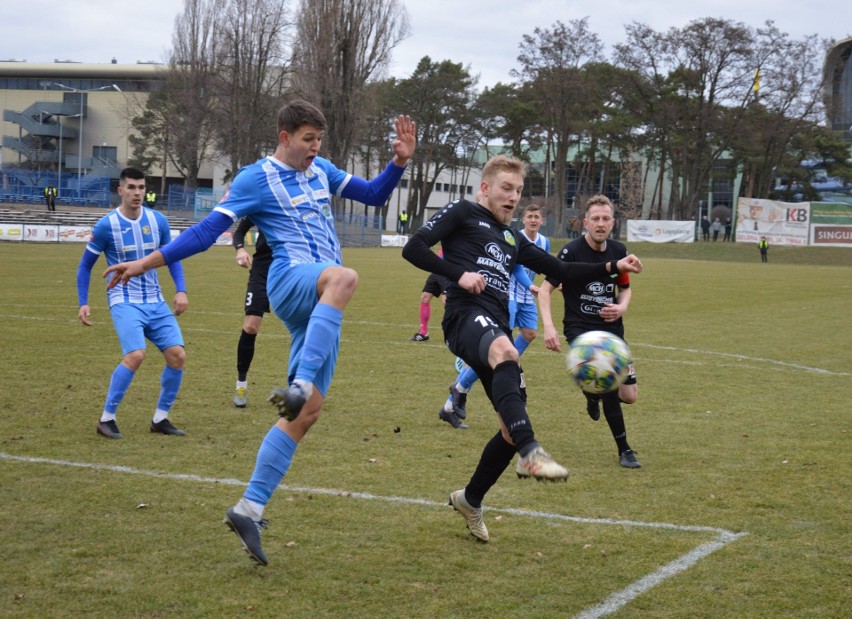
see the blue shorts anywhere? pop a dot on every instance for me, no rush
(293, 296)
(134, 322)
(523, 315)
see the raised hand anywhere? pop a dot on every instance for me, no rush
(405, 141)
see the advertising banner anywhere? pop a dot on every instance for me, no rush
(831, 224)
(75, 234)
(782, 223)
(11, 232)
(654, 231)
(41, 233)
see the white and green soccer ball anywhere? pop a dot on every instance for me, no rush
(599, 361)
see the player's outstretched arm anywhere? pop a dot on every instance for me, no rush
(123, 271)
(405, 141)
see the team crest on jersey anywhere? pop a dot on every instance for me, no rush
(309, 173)
(146, 229)
(510, 238)
(325, 209)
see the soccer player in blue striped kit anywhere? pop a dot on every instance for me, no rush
(287, 195)
(138, 310)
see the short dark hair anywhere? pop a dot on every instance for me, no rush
(298, 113)
(134, 173)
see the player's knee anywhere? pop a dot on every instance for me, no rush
(251, 324)
(628, 394)
(425, 298)
(528, 334)
(134, 359)
(175, 357)
(345, 282)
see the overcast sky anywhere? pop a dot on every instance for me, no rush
(483, 34)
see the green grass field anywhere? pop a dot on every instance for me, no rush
(741, 507)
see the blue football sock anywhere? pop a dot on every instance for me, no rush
(323, 330)
(118, 384)
(273, 459)
(170, 381)
(520, 344)
(467, 379)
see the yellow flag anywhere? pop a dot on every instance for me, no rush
(756, 85)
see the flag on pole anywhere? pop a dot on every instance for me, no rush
(756, 84)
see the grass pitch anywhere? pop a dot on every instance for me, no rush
(742, 427)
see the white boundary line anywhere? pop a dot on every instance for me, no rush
(783, 365)
(611, 604)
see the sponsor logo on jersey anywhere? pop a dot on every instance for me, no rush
(493, 250)
(595, 288)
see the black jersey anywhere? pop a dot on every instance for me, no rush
(584, 297)
(262, 250)
(473, 240)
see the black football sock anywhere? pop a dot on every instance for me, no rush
(245, 353)
(496, 456)
(615, 419)
(507, 399)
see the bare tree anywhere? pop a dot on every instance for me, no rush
(441, 96)
(250, 78)
(186, 101)
(343, 45)
(550, 62)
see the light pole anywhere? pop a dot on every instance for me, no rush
(59, 118)
(80, 137)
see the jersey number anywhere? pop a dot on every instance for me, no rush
(485, 321)
(248, 298)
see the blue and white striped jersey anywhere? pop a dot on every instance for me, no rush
(517, 292)
(121, 239)
(265, 189)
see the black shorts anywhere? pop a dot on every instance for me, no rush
(436, 285)
(469, 334)
(257, 302)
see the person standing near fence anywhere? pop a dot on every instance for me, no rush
(151, 198)
(50, 194)
(763, 246)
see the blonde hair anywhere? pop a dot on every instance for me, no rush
(502, 163)
(599, 200)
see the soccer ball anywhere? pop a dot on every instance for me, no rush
(599, 361)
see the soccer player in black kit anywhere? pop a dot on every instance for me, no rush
(480, 251)
(595, 304)
(257, 301)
